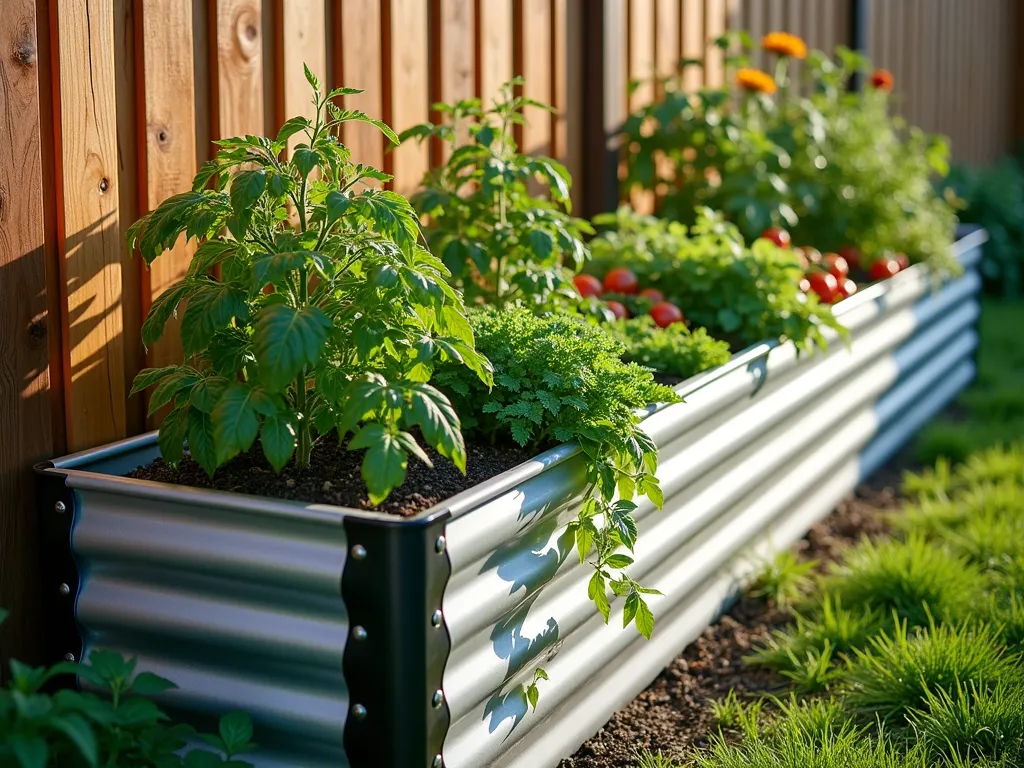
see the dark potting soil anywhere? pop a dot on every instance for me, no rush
(674, 715)
(333, 476)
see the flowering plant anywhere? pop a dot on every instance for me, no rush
(833, 167)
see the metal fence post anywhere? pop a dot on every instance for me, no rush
(860, 21)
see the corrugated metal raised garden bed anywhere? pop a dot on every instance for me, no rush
(362, 639)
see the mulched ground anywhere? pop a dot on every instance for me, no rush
(674, 714)
(333, 476)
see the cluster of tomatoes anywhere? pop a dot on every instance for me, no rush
(828, 275)
(622, 280)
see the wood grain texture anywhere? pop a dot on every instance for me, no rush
(642, 76)
(406, 83)
(715, 23)
(24, 354)
(302, 29)
(359, 64)
(667, 49)
(533, 60)
(169, 160)
(453, 47)
(494, 19)
(88, 226)
(237, 86)
(692, 36)
(568, 91)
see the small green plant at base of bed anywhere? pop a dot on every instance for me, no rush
(358, 315)
(813, 672)
(559, 379)
(899, 670)
(784, 579)
(674, 350)
(503, 243)
(118, 727)
(740, 294)
(731, 712)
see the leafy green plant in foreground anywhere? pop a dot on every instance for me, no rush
(673, 351)
(503, 242)
(559, 379)
(115, 728)
(358, 315)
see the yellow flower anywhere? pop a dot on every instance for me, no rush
(784, 44)
(755, 80)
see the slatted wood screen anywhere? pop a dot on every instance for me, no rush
(109, 106)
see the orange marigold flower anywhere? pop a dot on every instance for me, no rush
(784, 44)
(755, 80)
(882, 79)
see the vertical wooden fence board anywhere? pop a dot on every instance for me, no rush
(494, 21)
(667, 48)
(756, 26)
(238, 62)
(170, 148)
(301, 26)
(24, 373)
(453, 47)
(128, 83)
(359, 64)
(533, 61)
(88, 228)
(694, 45)
(406, 86)
(641, 55)
(714, 26)
(568, 91)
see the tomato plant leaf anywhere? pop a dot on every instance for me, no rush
(286, 340)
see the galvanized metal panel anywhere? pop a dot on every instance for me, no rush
(743, 458)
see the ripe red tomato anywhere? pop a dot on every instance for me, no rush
(837, 265)
(665, 313)
(777, 235)
(653, 294)
(851, 254)
(621, 280)
(825, 285)
(882, 268)
(902, 260)
(620, 312)
(588, 285)
(847, 288)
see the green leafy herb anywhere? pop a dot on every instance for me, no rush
(327, 313)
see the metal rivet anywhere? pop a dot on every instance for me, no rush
(358, 711)
(435, 620)
(359, 552)
(59, 506)
(437, 762)
(438, 699)
(69, 657)
(439, 545)
(359, 633)
(64, 589)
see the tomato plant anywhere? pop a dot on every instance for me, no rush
(503, 243)
(653, 295)
(665, 313)
(359, 313)
(836, 265)
(852, 255)
(882, 268)
(847, 288)
(777, 235)
(617, 309)
(825, 285)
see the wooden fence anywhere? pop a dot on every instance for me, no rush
(109, 106)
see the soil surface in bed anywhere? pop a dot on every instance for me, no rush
(674, 714)
(333, 476)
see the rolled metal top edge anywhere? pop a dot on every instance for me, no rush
(464, 501)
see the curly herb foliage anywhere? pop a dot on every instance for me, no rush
(502, 242)
(741, 294)
(559, 379)
(116, 728)
(673, 351)
(832, 166)
(358, 315)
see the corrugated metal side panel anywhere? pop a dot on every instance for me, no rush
(523, 604)
(240, 611)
